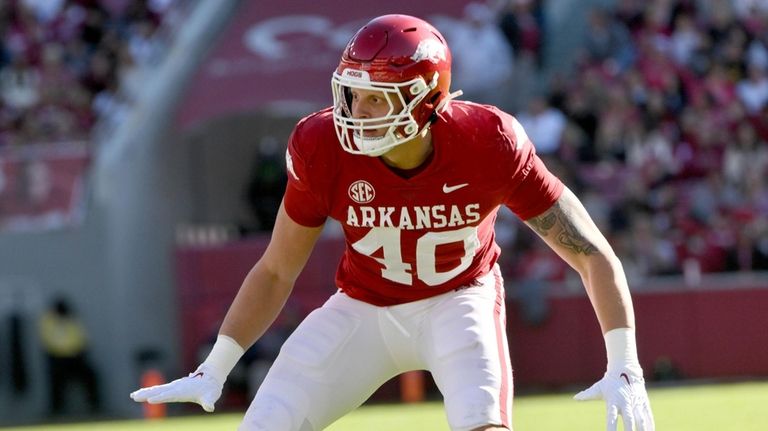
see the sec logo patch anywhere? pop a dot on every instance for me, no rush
(361, 192)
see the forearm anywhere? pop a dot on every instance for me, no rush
(606, 285)
(569, 230)
(261, 296)
(257, 304)
(259, 300)
(268, 284)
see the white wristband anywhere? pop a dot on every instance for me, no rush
(621, 348)
(223, 357)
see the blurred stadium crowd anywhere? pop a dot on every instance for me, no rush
(661, 126)
(64, 64)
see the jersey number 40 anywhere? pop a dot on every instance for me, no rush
(394, 269)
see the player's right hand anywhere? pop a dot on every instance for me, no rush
(625, 396)
(199, 387)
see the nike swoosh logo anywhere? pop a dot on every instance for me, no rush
(199, 374)
(625, 377)
(449, 189)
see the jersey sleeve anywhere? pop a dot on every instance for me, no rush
(534, 189)
(301, 200)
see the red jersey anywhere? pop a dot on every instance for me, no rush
(413, 238)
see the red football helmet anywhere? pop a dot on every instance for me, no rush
(409, 61)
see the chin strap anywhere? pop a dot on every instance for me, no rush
(438, 108)
(447, 99)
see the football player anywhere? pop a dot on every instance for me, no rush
(415, 179)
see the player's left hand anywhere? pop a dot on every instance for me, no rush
(623, 390)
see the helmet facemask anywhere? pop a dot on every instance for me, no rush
(363, 135)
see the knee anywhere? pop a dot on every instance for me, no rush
(473, 410)
(267, 414)
(271, 413)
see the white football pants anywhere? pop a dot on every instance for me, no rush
(343, 351)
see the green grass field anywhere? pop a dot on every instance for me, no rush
(721, 407)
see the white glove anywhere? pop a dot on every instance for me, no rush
(200, 387)
(203, 386)
(624, 393)
(622, 387)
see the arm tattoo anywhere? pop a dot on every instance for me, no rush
(543, 223)
(568, 234)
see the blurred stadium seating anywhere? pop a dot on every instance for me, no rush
(68, 73)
